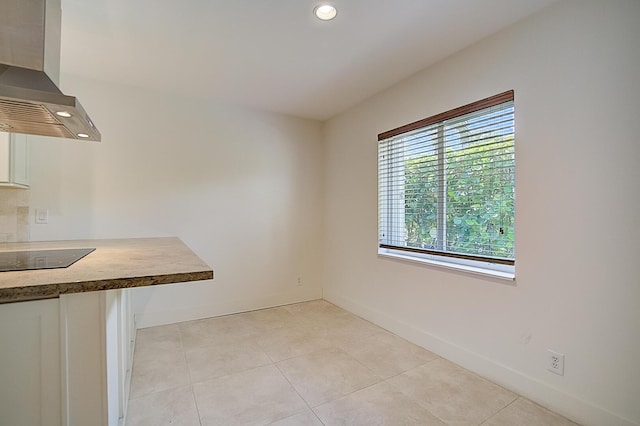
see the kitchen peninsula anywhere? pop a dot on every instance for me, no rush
(117, 263)
(68, 333)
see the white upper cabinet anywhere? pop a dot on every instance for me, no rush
(14, 160)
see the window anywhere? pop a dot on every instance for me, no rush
(446, 186)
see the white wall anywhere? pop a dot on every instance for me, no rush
(242, 188)
(574, 68)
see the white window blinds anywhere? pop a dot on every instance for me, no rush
(446, 184)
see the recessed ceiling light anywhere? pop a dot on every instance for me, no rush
(83, 135)
(64, 114)
(325, 12)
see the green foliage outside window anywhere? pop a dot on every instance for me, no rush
(479, 203)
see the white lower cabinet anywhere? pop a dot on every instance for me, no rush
(66, 361)
(30, 368)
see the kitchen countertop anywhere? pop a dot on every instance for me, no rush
(116, 263)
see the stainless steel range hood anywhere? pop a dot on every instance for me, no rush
(30, 101)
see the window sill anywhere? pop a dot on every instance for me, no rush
(477, 270)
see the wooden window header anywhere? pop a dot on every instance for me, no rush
(447, 115)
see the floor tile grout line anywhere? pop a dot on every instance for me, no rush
(346, 352)
(146, 395)
(293, 387)
(137, 350)
(420, 402)
(184, 355)
(317, 417)
(500, 410)
(333, 347)
(412, 368)
(516, 396)
(414, 400)
(195, 400)
(298, 393)
(193, 391)
(229, 374)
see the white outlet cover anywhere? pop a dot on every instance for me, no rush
(555, 362)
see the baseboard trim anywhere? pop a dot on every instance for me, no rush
(574, 408)
(152, 319)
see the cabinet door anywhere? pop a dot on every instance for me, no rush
(20, 158)
(14, 160)
(30, 363)
(5, 158)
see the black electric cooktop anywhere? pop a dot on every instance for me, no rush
(40, 259)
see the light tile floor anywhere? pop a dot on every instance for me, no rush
(312, 364)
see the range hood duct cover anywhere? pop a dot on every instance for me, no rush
(29, 73)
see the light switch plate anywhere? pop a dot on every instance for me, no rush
(42, 216)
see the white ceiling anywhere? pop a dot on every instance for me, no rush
(273, 54)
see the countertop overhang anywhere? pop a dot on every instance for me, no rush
(116, 263)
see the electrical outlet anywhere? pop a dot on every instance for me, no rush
(299, 281)
(555, 362)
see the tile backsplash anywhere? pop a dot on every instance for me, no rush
(14, 215)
